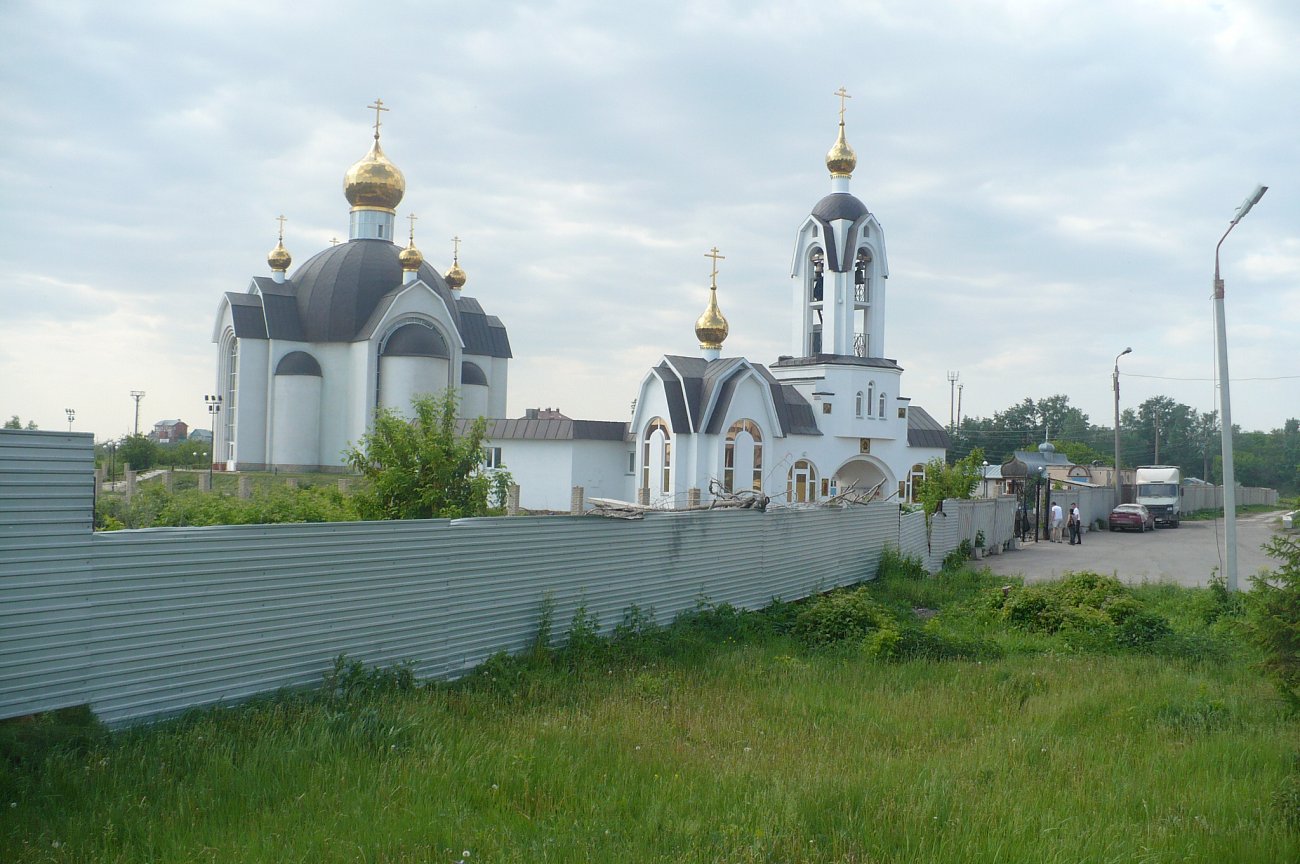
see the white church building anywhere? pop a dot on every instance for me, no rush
(305, 361)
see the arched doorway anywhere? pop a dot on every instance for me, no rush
(864, 473)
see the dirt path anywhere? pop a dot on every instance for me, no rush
(1188, 555)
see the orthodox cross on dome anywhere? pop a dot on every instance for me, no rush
(334, 241)
(281, 220)
(411, 217)
(715, 255)
(843, 94)
(378, 106)
(455, 249)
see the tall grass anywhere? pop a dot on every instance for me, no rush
(718, 738)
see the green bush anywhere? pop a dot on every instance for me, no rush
(895, 565)
(1098, 608)
(1273, 619)
(838, 617)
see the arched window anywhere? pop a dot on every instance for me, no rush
(657, 452)
(232, 395)
(801, 483)
(918, 474)
(882, 404)
(857, 405)
(871, 396)
(743, 450)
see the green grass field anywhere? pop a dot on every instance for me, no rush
(724, 738)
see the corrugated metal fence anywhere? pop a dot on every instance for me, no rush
(141, 624)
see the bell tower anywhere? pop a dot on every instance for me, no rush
(839, 269)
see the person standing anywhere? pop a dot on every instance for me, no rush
(1058, 517)
(1076, 526)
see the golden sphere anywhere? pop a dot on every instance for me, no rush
(711, 328)
(841, 160)
(410, 257)
(374, 182)
(455, 277)
(279, 258)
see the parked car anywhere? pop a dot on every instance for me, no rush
(1131, 517)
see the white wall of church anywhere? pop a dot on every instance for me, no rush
(474, 401)
(402, 379)
(499, 379)
(250, 402)
(296, 420)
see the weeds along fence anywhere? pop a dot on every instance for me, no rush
(146, 623)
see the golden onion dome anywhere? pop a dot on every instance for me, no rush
(374, 181)
(841, 160)
(410, 257)
(279, 258)
(711, 328)
(455, 277)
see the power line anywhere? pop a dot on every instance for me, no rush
(1171, 378)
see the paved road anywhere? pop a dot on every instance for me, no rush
(1187, 555)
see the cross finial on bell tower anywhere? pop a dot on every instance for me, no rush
(411, 217)
(716, 256)
(378, 106)
(843, 94)
(281, 220)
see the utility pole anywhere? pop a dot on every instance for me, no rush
(1119, 486)
(137, 395)
(1156, 415)
(959, 389)
(952, 400)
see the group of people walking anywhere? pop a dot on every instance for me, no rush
(1075, 524)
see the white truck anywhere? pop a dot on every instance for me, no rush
(1159, 490)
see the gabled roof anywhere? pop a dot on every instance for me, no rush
(699, 394)
(483, 334)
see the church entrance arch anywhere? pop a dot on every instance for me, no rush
(864, 473)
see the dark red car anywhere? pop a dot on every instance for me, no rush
(1131, 517)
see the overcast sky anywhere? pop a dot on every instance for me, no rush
(1052, 178)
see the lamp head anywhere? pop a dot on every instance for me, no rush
(1251, 200)
(1126, 351)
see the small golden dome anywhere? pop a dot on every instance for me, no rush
(279, 258)
(410, 257)
(455, 277)
(711, 328)
(841, 160)
(374, 181)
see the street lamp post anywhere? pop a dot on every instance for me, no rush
(214, 408)
(72, 415)
(1225, 403)
(986, 478)
(1119, 487)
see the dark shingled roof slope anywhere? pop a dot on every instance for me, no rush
(338, 288)
(246, 315)
(690, 388)
(924, 431)
(483, 334)
(526, 429)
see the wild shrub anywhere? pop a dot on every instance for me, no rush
(351, 680)
(1092, 609)
(895, 565)
(839, 617)
(1273, 618)
(957, 558)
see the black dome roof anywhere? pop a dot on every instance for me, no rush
(839, 205)
(337, 289)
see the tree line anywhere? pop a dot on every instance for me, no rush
(1159, 431)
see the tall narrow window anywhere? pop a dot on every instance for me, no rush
(871, 396)
(744, 451)
(656, 456)
(918, 475)
(882, 405)
(857, 405)
(232, 393)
